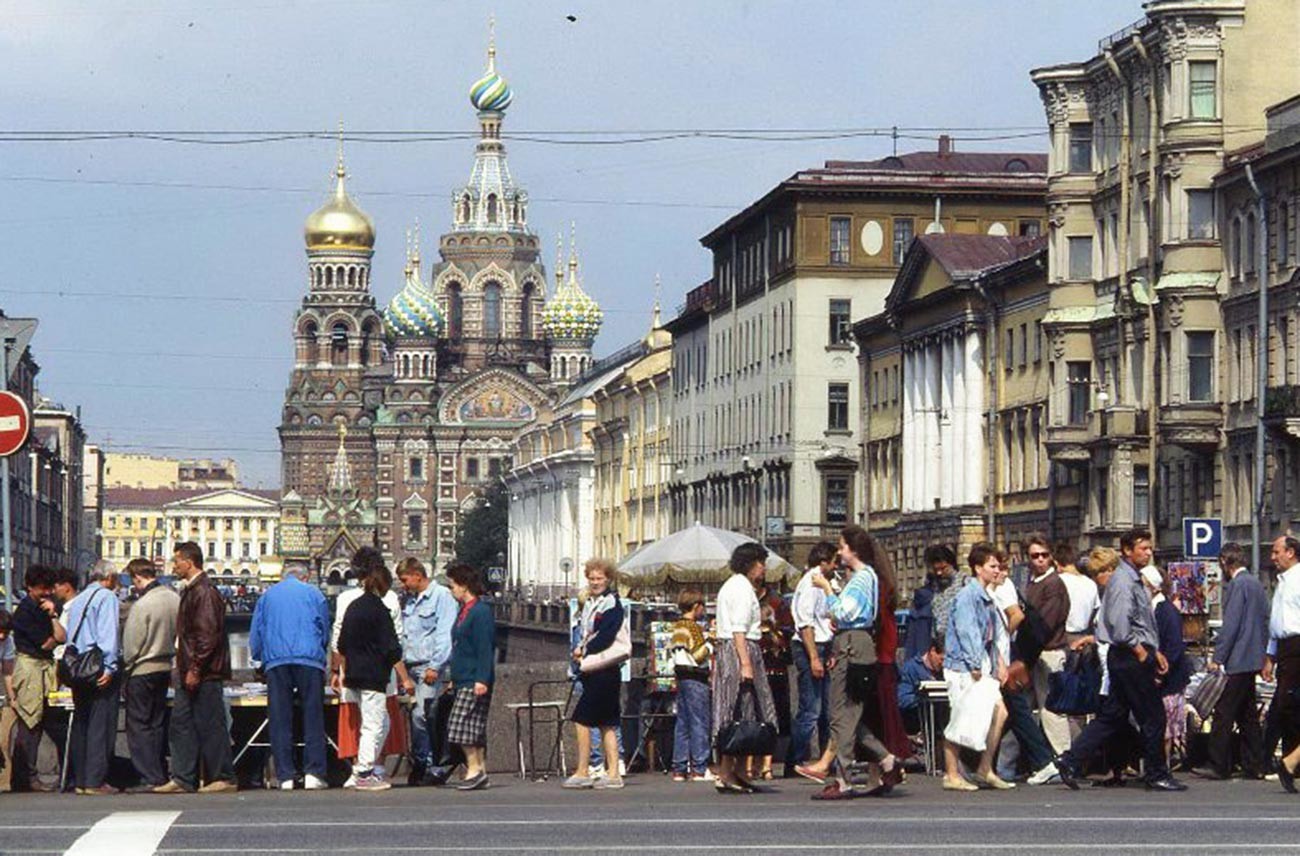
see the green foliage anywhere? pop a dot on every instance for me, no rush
(483, 533)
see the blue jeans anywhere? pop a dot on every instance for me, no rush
(691, 732)
(282, 684)
(813, 718)
(421, 728)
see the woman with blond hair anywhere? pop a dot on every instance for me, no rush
(603, 647)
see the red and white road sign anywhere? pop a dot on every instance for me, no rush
(15, 423)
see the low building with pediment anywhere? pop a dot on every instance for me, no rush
(399, 416)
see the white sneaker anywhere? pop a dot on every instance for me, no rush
(351, 782)
(1045, 776)
(622, 768)
(286, 785)
(596, 771)
(311, 783)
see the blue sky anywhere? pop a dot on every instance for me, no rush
(166, 276)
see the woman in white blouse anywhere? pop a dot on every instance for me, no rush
(739, 659)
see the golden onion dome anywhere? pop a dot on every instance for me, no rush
(339, 223)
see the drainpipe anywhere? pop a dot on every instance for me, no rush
(992, 374)
(1261, 368)
(1153, 246)
(1121, 286)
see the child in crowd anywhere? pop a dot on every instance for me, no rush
(691, 654)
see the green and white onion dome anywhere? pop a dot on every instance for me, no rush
(413, 312)
(572, 314)
(491, 92)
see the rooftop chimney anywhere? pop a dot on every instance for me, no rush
(945, 145)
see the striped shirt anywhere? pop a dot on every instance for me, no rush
(855, 607)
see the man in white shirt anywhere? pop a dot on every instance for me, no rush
(811, 654)
(1284, 656)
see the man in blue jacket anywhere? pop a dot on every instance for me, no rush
(290, 632)
(1239, 651)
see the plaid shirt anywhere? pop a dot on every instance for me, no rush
(855, 607)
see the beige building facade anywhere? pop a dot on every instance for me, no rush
(766, 393)
(1145, 408)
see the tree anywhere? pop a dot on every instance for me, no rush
(483, 536)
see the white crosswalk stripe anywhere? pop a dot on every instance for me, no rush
(125, 833)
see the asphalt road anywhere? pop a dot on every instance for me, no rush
(655, 816)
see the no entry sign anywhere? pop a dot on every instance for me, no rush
(15, 423)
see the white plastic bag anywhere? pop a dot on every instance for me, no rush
(972, 714)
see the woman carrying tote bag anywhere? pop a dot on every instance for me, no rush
(739, 658)
(606, 643)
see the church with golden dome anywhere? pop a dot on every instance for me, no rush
(397, 419)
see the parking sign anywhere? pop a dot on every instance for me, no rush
(1202, 537)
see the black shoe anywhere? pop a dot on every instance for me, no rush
(1165, 783)
(436, 777)
(1068, 775)
(1286, 777)
(1116, 780)
(416, 777)
(1208, 773)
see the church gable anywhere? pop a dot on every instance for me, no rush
(493, 396)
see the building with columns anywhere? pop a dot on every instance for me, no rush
(955, 383)
(766, 393)
(432, 389)
(1152, 337)
(237, 529)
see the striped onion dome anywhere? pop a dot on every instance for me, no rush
(413, 311)
(491, 92)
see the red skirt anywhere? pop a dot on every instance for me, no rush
(883, 717)
(349, 735)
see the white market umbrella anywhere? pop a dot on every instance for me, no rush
(696, 554)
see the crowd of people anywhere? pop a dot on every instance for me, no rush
(1081, 668)
(166, 655)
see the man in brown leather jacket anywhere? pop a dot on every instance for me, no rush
(198, 726)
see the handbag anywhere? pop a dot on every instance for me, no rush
(741, 737)
(437, 712)
(618, 651)
(1207, 693)
(81, 670)
(1076, 689)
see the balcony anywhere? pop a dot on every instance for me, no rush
(1119, 423)
(1195, 425)
(1282, 410)
(1068, 444)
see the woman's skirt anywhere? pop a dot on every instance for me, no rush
(599, 705)
(1175, 718)
(726, 686)
(467, 724)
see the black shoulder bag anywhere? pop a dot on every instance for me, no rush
(746, 736)
(81, 670)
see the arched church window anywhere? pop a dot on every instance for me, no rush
(526, 312)
(329, 276)
(339, 344)
(492, 208)
(464, 208)
(311, 349)
(455, 311)
(492, 310)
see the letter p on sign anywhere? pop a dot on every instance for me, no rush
(1202, 537)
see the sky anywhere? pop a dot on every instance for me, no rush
(166, 275)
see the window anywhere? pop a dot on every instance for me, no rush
(246, 549)
(1080, 383)
(837, 500)
(837, 407)
(1080, 257)
(1201, 89)
(1030, 228)
(494, 468)
(1009, 356)
(455, 311)
(904, 228)
(1038, 341)
(1141, 494)
(841, 327)
(126, 549)
(1252, 228)
(1200, 214)
(526, 313)
(263, 549)
(492, 311)
(1081, 147)
(471, 469)
(1200, 367)
(230, 550)
(212, 549)
(414, 528)
(417, 468)
(1024, 346)
(126, 522)
(840, 240)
